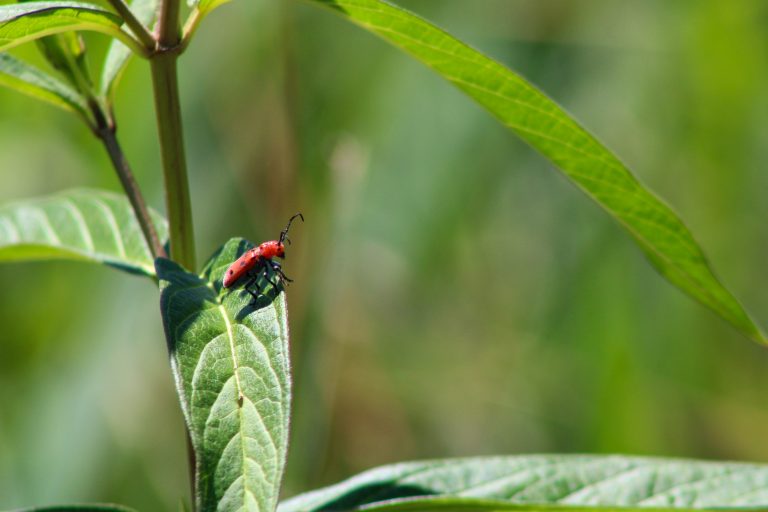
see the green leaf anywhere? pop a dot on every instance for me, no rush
(206, 6)
(231, 365)
(29, 80)
(65, 51)
(118, 54)
(550, 480)
(550, 130)
(28, 21)
(87, 225)
(444, 504)
(78, 508)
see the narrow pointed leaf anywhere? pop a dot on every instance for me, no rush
(549, 480)
(118, 54)
(550, 130)
(25, 78)
(86, 225)
(230, 361)
(28, 21)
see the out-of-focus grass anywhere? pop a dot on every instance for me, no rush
(453, 294)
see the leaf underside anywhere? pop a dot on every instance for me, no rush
(27, 79)
(564, 481)
(27, 21)
(230, 362)
(550, 130)
(80, 224)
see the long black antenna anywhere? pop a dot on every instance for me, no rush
(284, 233)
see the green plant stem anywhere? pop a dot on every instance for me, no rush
(169, 34)
(168, 110)
(138, 28)
(107, 135)
(128, 40)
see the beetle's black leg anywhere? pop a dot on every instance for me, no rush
(279, 270)
(268, 277)
(254, 294)
(253, 282)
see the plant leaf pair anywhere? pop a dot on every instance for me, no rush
(23, 22)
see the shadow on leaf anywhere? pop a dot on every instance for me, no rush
(373, 493)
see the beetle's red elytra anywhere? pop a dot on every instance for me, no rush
(257, 262)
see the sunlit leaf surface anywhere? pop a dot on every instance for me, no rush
(572, 480)
(88, 225)
(230, 361)
(550, 130)
(24, 22)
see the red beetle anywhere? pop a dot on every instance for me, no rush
(257, 262)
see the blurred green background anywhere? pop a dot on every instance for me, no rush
(454, 295)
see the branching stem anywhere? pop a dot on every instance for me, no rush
(137, 27)
(168, 24)
(190, 26)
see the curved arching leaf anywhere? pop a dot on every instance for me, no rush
(231, 366)
(563, 481)
(118, 54)
(20, 23)
(25, 78)
(544, 125)
(81, 224)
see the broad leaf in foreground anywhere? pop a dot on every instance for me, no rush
(118, 54)
(475, 505)
(27, 21)
(231, 366)
(25, 78)
(564, 480)
(81, 224)
(549, 129)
